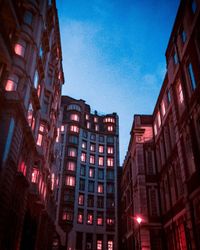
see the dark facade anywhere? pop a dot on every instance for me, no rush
(31, 78)
(165, 170)
(87, 211)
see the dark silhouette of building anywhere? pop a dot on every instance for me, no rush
(88, 211)
(161, 171)
(31, 78)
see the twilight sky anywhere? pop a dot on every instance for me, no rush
(114, 54)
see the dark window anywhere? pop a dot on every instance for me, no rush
(193, 6)
(93, 137)
(183, 36)
(100, 202)
(192, 77)
(100, 174)
(110, 139)
(110, 174)
(90, 201)
(175, 58)
(85, 134)
(82, 170)
(28, 17)
(91, 186)
(82, 184)
(101, 138)
(73, 139)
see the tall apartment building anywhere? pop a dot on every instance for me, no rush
(175, 149)
(88, 211)
(31, 79)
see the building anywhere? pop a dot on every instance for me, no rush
(175, 146)
(31, 79)
(87, 211)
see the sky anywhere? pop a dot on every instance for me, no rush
(114, 55)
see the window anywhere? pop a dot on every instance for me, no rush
(82, 170)
(101, 161)
(100, 202)
(90, 218)
(90, 201)
(93, 137)
(81, 199)
(74, 117)
(83, 157)
(110, 174)
(110, 203)
(191, 76)
(110, 245)
(70, 181)
(30, 117)
(100, 188)
(100, 219)
(28, 17)
(96, 127)
(74, 107)
(80, 217)
(11, 83)
(41, 51)
(92, 147)
(72, 152)
(34, 175)
(101, 138)
(91, 172)
(82, 184)
(87, 117)
(73, 139)
(110, 139)
(100, 174)
(85, 134)
(71, 166)
(168, 96)
(88, 125)
(67, 215)
(84, 145)
(58, 135)
(101, 149)
(110, 150)
(193, 6)
(110, 188)
(180, 92)
(183, 36)
(62, 129)
(155, 129)
(99, 245)
(91, 186)
(110, 162)
(163, 108)
(20, 48)
(109, 120)
(95, 119)
(36, 79)
(92, 159)
(110, 128)
(74, 128)
(22, 168)
(175, 58)
(110, 221)
(159, 119)
(40, 134)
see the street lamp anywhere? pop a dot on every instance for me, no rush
(139, 220)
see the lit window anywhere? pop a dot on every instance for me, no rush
(72, 152)
(110, 221)
(100, 188)
(155, 129)
(52, 181)
(81, 199)
(180, 92)
(71, 166)
(92, 159)
(38, 90)
(95, 119)
(22, 168)
(80, 217)
(101, 161)
(110, 245)
(99, 219)
(67, 215)
(74, 117)
(34, 175)
(74, 128)
(28, 17)
(30, 118)
(191, 76)
(110, 128)
(36, 79)
(70, 181)
(58, 135)
(62, 128)
(40, 135)
(110, 162)
(109, 120)
(99, 245)
(110, 150)
(84, 144)
(96, 127)
(83, 157)
(20, 47)
(87, 117)
(101, 149)
(163, 108)
(11, 83)
(91, 172)
(92, 147)
(159, 118)
(88, 125)
(90, 218)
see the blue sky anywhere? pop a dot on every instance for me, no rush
(114, 54)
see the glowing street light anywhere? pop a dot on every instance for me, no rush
(139, 220)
